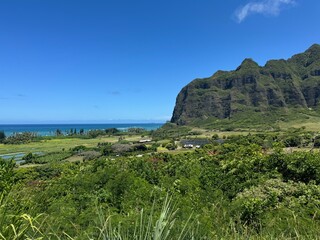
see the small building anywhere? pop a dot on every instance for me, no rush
(195, 142)
(144, 140)
(188, 146)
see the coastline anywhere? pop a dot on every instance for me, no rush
(50, 129)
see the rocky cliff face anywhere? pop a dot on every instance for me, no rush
(280, 84)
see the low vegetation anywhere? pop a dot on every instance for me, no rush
(253, 186)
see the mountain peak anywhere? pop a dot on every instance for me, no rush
(313, 48)
(247, 63)
(311, 55)
(314, 52)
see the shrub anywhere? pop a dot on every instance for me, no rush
(79, 149)
(28, 157)
(256, 202)
(170, 146)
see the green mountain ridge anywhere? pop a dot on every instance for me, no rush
(281, 86)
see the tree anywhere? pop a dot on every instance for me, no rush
(58, 132)
(136, 130)
(2, 136)
(112, 131)
(21, 138)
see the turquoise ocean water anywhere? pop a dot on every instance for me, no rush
(50, 129)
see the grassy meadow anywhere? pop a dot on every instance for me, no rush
(58, 144)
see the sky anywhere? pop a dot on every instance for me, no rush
(101, 61)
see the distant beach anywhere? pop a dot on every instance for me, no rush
(50, 129)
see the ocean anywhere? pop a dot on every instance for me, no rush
(50, 129)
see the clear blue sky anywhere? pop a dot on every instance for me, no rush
(125, 60)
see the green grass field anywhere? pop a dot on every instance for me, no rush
(273, 120)
(311, 123)
(55, 145)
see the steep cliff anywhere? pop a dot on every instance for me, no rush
(279, 85)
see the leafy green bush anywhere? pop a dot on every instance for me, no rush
(28, 158)
(254, 204)
(170, 146)
(79, 149)
(298, 166)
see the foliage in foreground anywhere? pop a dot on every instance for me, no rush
(237, 190)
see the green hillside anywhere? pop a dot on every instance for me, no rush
(251, 95)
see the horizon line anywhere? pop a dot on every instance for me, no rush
(72, 123)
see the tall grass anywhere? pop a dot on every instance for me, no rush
(163, 225)
(15, 227)
(160, 227)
